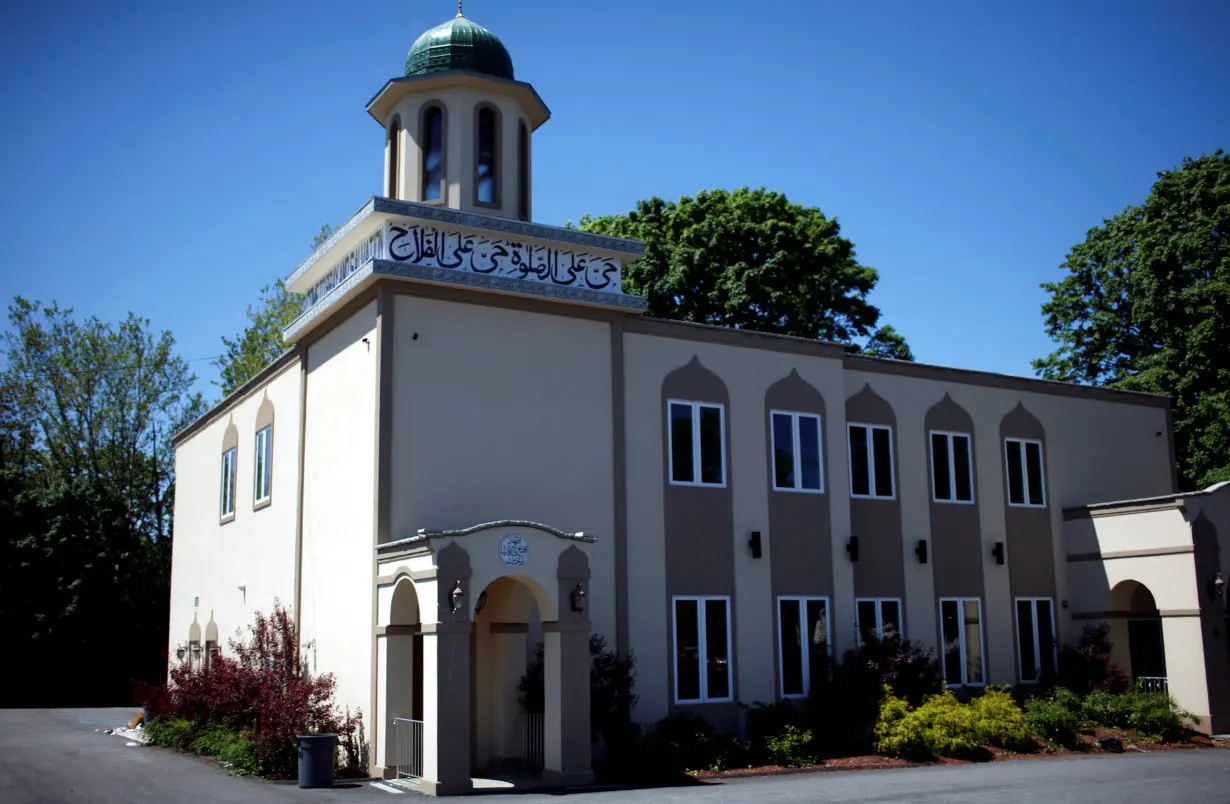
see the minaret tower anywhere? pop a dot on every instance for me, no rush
(458, 125)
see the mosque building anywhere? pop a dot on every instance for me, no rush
(477, 443)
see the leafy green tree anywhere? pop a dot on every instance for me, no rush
(261, 341)
(1145, 306)
(751, 259)
(87, 413)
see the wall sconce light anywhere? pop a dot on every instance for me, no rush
(754, 544)
(481, 603)
(997, 552)
(1217, 588)
(852, 548)
(578, 598)
(921, 551)
(179, 653)
(456, 597)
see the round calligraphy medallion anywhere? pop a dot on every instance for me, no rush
(514, 550)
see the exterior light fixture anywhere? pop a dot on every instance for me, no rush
(852, 548)
(754, 544)
(997, 552)
(921, 551)
(481, 603)
(578, 598)
(456, 597)
(1217, 588)
(179, 653)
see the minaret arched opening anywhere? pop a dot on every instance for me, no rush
(431, 142)
(393, 144)
(486, 161)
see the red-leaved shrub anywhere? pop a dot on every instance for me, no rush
(265, 691)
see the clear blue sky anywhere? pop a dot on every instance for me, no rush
(173, 157)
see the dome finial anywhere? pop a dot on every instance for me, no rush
(460, 13)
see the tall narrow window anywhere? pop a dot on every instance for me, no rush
(702, 649)
(878, 619)
(394, 146)
(263, 470)
(796, 452)
(1035, 630)
(432, 143)
(803, 643)
(1026, 481)
(952, 476)
(487, 164)
(961, 631)
(871, 460)
(523, 172)
(697, 444)
(228, 483)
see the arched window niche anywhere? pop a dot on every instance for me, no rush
(431, 141)
(486, 157)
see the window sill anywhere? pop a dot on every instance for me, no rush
(226, 520)
(890, 498)
(789, 490)
(265, 503)
(952, 502)
(698, 485)
(1026, 505)
(972, 684)
(699, 701)
(487, 204)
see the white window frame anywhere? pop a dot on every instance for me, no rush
(952, 466)
(703, 646)
(1025, 472)
(982, 642)
(1016, 615)
(797, 434)
(230, 460)
(871, 461)
(801, 601)
(265, 472)
(696, 448)
(879, 601)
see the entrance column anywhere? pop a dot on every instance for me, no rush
(446, 680)
(568, 751)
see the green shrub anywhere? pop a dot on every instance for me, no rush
(1156, 716)
(236, 751)
(942, 726)
(685, 742)
(169, 732)
(1107, 709)
(1055, 718)
(793, 748)
(1001, 722)
(765, 723)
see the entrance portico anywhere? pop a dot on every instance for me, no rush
(459, 614)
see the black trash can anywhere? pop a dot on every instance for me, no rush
(316, 753)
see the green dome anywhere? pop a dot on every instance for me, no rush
(459, 45)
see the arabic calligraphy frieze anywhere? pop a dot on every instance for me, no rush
(440, 248)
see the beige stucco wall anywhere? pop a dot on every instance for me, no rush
(502, 414)
(338, 505)
(747, 374)
(460, 106)
(256, 549)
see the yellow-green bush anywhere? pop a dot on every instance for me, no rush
(942, 726)
(1001, 722)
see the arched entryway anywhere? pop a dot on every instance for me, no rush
(1137, 633)
(507, 724)
(460, 614)
(400, 651)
